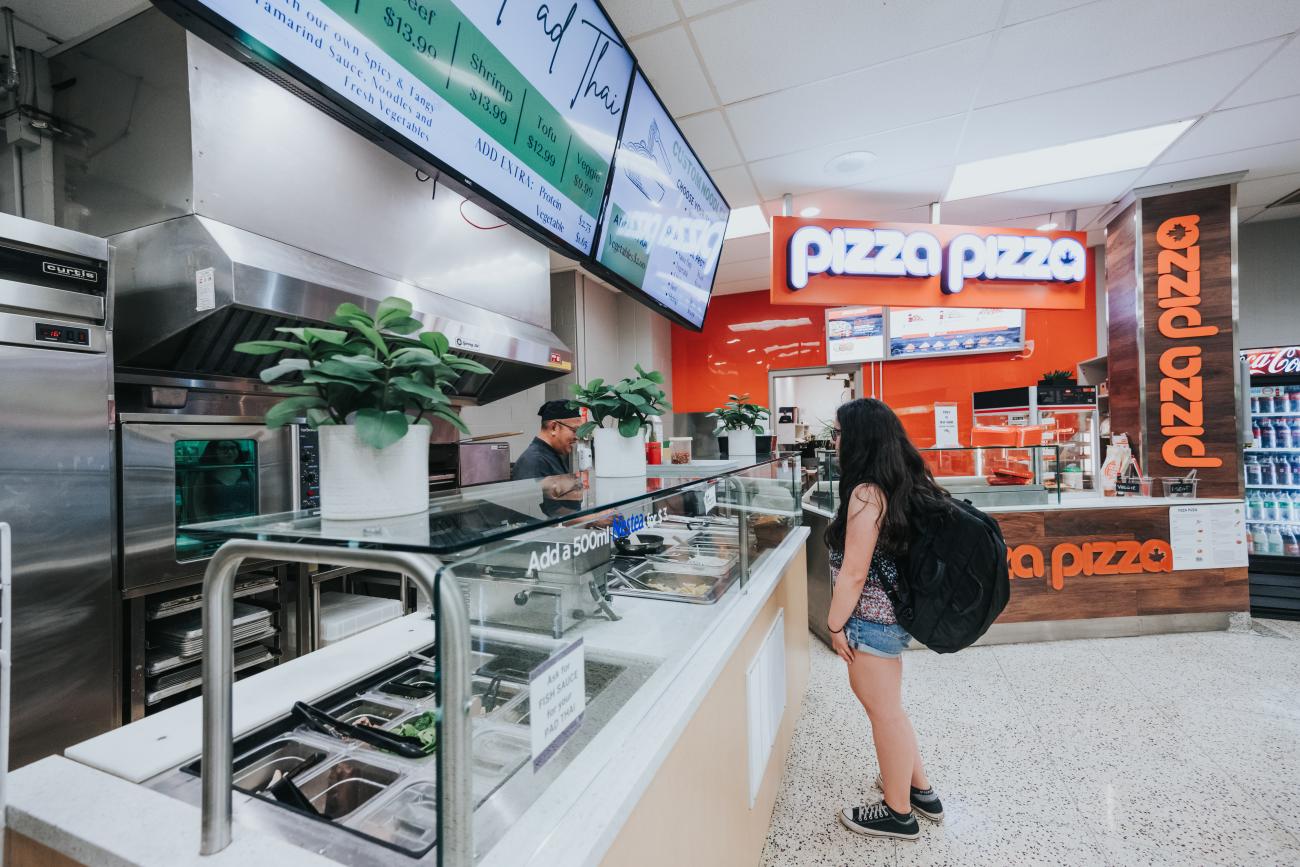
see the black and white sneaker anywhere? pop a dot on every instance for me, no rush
(924, 801)
(878, 820)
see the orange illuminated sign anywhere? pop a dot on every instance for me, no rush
(1090, 558)
(833, 263)
(1182, 410)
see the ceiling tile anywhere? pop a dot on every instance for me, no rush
(634, 17)
(1261, 162)
(1175, 92)
(1025, 10)
(674, 70)
(1279, 77)
(736, 186)
(712, 141)
(68, 20)
(1259, 124)
(1087, 216)
(901, 151)
(1266, 191)
(750, 269)
(745, 249)
(1245, 214)
(699, 7)
(935, 84)
(1286, 212)
(1100, 40)
(868, 201)
(1081, 193)
(768, 45)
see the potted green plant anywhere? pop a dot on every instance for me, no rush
(1057, 378)
(739, 419)
(619, 413)
(371, 386)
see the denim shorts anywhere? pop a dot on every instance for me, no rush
(887, 640)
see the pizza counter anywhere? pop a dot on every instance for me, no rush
(583, 742)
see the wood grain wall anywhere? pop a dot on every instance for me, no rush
(1181, 592)
(1123, 289)
(1218, 355)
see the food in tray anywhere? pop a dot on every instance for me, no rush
(424, 727)
(683, 586)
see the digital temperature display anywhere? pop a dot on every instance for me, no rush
(62, 334)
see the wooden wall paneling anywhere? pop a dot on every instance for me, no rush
(1217, 409)
(1123, 288)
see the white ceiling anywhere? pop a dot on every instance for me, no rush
(768, 91)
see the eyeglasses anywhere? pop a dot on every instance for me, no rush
(568, 427)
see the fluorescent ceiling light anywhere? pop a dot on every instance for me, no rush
(1082, 159)
(746, 221)
(810, 212)
(1046, 227)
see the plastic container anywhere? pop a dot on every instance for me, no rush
(679, 450)
(654, 453)
(343, 615)
(1179, 487)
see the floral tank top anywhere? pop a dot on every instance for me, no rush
(873, 604)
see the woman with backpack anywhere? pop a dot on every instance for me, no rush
(885, 491)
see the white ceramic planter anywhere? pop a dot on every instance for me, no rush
(617, 456)
(741, 444)
(358, 482)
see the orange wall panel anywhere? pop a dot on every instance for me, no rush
(746, 335)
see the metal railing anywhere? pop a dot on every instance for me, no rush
(456, 843)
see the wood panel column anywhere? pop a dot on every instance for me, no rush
(1173, 354)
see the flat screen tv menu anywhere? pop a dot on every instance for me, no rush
(665, 219)
(524, 101)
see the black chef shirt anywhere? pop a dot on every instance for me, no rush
(538, 461)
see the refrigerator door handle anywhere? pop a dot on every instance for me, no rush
(1245, 415)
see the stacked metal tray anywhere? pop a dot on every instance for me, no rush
(182, 635)
(178, 680)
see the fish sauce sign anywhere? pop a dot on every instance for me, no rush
(832, 262)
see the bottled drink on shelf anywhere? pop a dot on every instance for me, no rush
(1254, 403)
(1266, 474)
(1291, 542)
(1252, 469)
(1259, 540)
(1268, 512)
(1275, 544)
(1293, 398)
(1266, 400)
(1254, 506)
(1255, 433)
(1295, 467)
(1286, 507)
(1267, 436)
(1282, 432)
(1282, 470)
(1295, 430)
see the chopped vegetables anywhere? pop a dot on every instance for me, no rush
(424, 727)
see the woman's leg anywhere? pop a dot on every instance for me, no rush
(877, 682)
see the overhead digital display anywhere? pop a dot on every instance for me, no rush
(920, 332)
(664, 221)
(519, 100)
(855, 334)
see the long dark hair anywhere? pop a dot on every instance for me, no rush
(874, 449)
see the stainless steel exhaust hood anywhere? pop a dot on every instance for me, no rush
(190, 288)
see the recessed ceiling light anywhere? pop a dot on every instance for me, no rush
(746, 221)
(1047, 227)
(849, 163)
(810, 212)
(1082, 159)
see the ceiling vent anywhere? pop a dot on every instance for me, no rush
(1291, 198)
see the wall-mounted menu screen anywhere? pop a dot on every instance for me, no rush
(855, 334)
(916, 332)
(517, 100)
(664, 220)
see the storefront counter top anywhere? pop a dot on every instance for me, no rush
(1094, 500)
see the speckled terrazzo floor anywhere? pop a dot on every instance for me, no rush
(1172, 749)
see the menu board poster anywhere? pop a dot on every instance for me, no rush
(916, 332)
(661, 234)
(518, 101)
(855, 334)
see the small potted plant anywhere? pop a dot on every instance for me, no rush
(619, 413)
(1057, 378)
(740, 421)
(371, 386)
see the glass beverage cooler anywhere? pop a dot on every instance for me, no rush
(1271, 465)
(1069, 414)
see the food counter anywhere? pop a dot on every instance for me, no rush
(611, 631)
(1081, 564)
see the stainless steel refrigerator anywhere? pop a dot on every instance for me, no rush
(56, 484)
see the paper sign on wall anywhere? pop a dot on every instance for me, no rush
(205, 289)
(945, 426)
(1208, 537)
(557, 699)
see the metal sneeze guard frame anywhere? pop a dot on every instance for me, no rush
(456, 840)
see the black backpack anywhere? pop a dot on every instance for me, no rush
(953, 583)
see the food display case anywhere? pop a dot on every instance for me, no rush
(554, 603)
(1068, 417)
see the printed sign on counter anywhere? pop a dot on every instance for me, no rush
(557, 699)
(945, 426)
(1208, 537)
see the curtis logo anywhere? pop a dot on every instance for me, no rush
(68, 271)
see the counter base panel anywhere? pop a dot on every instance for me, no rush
(696, 811)
(1102, 627)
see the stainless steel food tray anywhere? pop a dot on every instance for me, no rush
(192, 601)
(177, 682)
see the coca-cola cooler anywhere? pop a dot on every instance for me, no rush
(1272, 469)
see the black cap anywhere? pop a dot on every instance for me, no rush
(557, 409)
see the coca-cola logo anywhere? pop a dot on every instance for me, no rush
(1281, 360)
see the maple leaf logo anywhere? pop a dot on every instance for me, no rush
(1177, 232)
(1067, 258)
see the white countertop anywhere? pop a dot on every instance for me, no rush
(1094, 500)
(573, 823)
